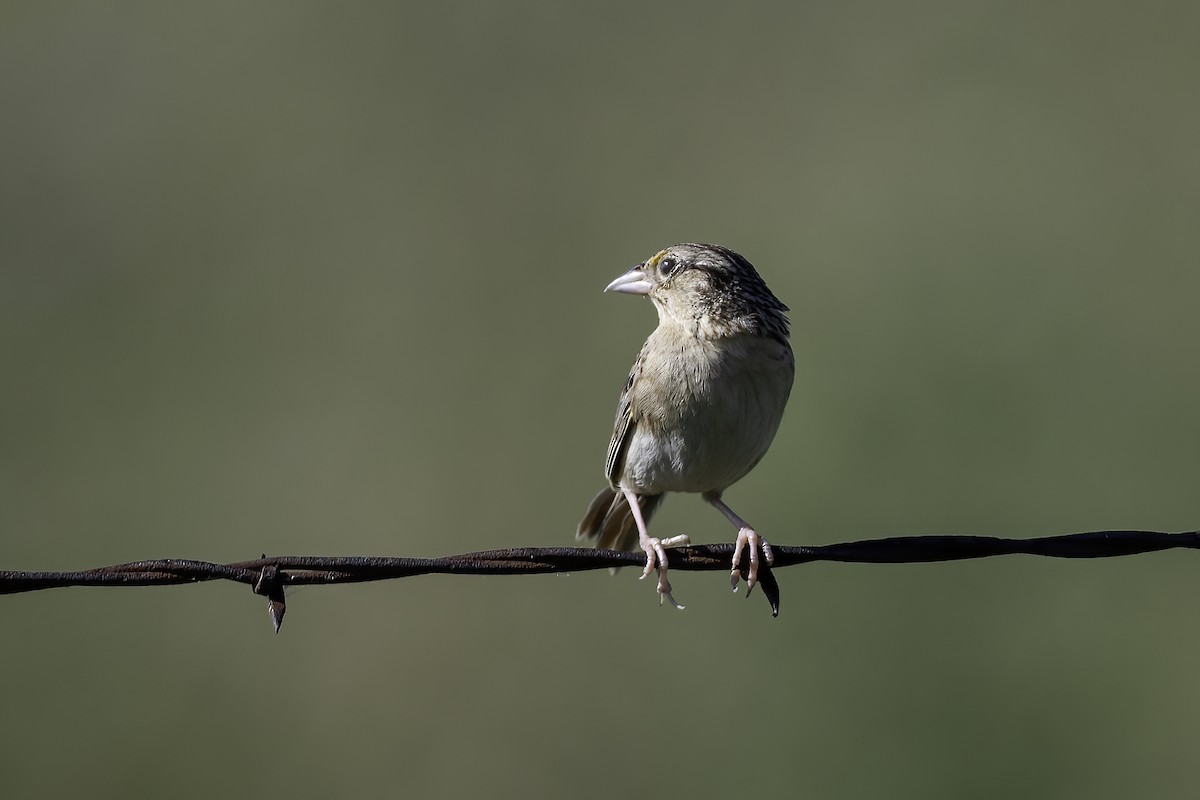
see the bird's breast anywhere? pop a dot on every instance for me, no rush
(706, 410)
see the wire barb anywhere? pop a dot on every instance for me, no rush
(268, 576)
(270, 587)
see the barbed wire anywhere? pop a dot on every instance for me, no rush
(268, 575)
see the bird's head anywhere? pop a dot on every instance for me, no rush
(707, 289)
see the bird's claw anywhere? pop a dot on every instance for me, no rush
(664, 592)
(748, 538)
(656, 559)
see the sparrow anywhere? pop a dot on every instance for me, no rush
(701, 404)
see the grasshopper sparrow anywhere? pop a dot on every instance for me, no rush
(701, 404)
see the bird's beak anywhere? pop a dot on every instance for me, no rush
(636, 281)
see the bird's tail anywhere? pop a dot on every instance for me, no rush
(610, 522)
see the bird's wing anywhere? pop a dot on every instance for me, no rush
(624, 426)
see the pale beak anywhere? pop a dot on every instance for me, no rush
(633, 282)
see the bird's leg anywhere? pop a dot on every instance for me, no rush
(747, 537)
(656, 556)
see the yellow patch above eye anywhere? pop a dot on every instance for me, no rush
(653, 262)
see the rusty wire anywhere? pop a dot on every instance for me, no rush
(268, 575)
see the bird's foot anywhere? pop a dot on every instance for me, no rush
(656, 558)
(747, 537)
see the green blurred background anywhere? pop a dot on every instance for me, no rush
(325, 279)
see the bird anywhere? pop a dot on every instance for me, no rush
(701, 404)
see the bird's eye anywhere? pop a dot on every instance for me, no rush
(667, 266)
